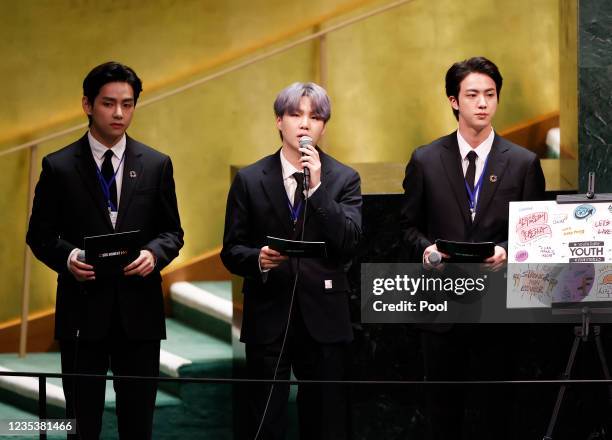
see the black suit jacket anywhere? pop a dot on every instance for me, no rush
(69, 205)
(436, 202)
(257, 206)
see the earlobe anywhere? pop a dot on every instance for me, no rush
(86, 106)
(453, 102)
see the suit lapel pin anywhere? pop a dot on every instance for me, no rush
(132, 174)
(492, 178)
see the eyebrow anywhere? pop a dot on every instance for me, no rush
(108, 98)
(478, 90)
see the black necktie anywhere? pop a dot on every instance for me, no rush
(299, 191)
(107, 172)
(470, 174)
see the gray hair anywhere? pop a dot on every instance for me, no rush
(288, 100)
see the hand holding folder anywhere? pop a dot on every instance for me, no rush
(295, 248)
(110, 253)
(466, 252)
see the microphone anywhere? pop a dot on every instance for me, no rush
(305, 141)
(434, 258)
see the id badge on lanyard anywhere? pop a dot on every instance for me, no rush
(113, 217)
(474, 195)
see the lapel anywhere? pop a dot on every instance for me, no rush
(496, 166)
(132, 172)
(86, 168)
(326, 164)
(451, 161)
(326, 169)
(272, 183)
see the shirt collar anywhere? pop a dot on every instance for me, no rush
(288, 169)
(481, 150)
(98, 149)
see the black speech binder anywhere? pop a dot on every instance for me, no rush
(296, 248)
(466, 252)
(110, 253)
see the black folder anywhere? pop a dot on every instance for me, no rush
(110, 253)
(296, 248)
(466, 252)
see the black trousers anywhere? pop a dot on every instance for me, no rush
(322, 410)
(135, 399)
(468, 352)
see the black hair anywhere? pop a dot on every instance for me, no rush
(461, 69)
(106, 73)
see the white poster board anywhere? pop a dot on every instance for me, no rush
(543, 233)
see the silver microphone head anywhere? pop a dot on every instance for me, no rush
(305, 141)
(434, 258)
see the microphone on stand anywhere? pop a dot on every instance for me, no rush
(306, 141)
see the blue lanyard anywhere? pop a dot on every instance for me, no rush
(106, 185)
(472, 195)
(295, 212)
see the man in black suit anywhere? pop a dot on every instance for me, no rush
(107, 182)
(458, 188)
(269, 198)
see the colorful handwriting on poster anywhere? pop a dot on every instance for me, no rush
(532, 226)
(602, 227)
